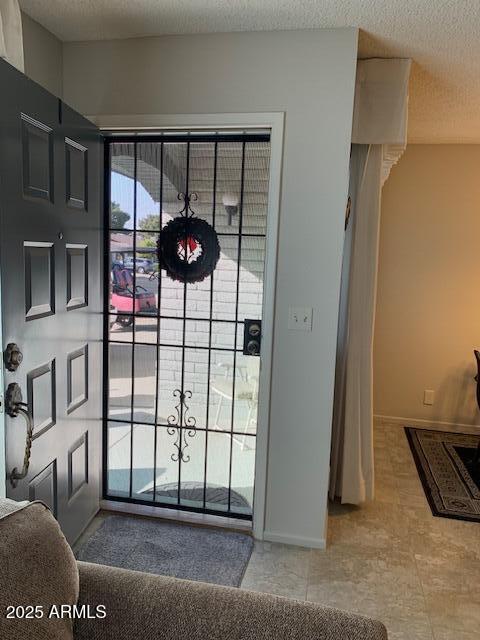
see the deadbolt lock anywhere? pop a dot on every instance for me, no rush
(12, 356)
(252, 337)
(255, 330)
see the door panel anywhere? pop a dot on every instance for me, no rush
(42, 397)
(51, 233)
(39, 272)
(44, 487)
(37, 158)
(77, 378)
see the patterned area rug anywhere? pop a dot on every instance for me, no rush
(450, 480)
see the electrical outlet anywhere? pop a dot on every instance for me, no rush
(300, 318)
(428, 396)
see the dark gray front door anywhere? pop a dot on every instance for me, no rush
(51, 233)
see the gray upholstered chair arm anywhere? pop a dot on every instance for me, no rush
(159, 608)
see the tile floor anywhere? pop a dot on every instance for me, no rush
(391, 560)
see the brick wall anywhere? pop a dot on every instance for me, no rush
(250, 287)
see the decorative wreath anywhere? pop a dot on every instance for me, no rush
(188, 249)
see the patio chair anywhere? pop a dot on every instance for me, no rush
(246, 390)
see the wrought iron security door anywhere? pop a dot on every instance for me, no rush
(181, 391)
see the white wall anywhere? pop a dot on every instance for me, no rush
(43, 55)
(310, 76)
(428, 304)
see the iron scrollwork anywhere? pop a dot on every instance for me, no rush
(187, 198)
(181, 424)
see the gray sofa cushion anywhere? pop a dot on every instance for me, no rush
(9, 506)
(37, 568)
(140, 605)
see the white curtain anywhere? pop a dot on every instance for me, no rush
(379, 139)
(11, 35)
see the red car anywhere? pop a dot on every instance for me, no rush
(123, 299)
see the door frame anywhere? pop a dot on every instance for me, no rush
(217, 121)
(3, 434)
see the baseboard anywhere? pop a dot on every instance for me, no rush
(421, 422)
(298, 541)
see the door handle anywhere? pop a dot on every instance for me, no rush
(15, 406)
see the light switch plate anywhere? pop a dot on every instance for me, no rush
(300, 318)
(428, 396)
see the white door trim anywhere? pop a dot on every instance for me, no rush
(215, 121)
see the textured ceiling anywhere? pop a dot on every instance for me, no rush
(442, 37)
